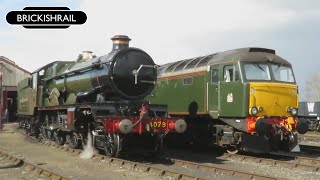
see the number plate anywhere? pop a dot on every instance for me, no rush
(158, 124)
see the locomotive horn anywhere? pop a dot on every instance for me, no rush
(120, 42)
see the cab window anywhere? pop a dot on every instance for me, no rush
(231, 74)
(214, 75)
(34, 80)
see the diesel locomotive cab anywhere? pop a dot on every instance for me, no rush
(244, 98)
(273, 104)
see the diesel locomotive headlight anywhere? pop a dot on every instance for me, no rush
(254, 110)
(260, 109)
(294, 111)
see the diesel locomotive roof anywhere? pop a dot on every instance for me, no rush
(242, 54)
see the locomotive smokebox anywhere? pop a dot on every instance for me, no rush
(120, 42)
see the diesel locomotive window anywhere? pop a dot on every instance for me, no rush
(34, 81)
(282, 73)
(214, 75)
(187, 81)
(257, 71)
(231, 73)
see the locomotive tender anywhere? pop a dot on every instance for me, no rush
(239, 99)
(66, 100)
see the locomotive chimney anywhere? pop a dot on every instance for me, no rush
(120, 42)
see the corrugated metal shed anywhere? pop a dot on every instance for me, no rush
(11, 73)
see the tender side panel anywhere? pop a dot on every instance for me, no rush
(26, 100)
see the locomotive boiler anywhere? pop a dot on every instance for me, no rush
(102, 96)
(239, 99)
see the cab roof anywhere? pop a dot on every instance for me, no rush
(250, 54)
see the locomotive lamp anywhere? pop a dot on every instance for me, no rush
(254, 110)
(294, 111)
(180, 126)
(125, 126)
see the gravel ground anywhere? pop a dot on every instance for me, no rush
(212, 158)
(60, 162)
(74, 167)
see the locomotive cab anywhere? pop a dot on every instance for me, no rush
(257, 95)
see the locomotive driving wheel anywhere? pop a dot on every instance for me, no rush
(112, 144)
(73, 140)
(50, 134)
(43, 133)
(59, 138)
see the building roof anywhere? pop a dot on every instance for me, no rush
(12, 63)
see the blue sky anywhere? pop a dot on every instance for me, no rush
(172, 30)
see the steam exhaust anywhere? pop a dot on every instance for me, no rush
(88, 149)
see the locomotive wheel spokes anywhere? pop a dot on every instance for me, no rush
(43, 133)
(50, 134)
(73, 140)
(112, 145)
(59, 138)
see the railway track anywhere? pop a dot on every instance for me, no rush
(310, 149)
(310, 137)
(166, 172)
(9, 161)
(296, 162)
(172, 170)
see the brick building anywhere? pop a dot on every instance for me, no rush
(10, 75)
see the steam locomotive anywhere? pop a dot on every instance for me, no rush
(68, 101)
(238, 99)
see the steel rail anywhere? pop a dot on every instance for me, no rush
(16, 162)
(163, 172)
(284, 163)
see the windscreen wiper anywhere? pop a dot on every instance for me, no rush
(260, 67)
